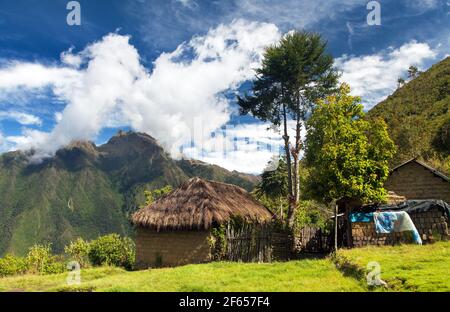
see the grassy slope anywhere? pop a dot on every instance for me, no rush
(306, 275)
(405, 268)
(416, 112)
(408, 267)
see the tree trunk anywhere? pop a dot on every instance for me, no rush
(291, 197)
(348, 225)
(280, 202)
(336, 210)
(296, 155)
(295, 174)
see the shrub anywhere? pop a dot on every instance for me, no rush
(41, 261)
(79, 251)
(56, 265)
(312, 213)
(11, 265)
(217, 241)
(112, 250)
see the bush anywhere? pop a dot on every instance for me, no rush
(56, 265)
(79, 252)
(217, 241)
(112, 250)
(41, 261)
(312, 213)
(11, 265)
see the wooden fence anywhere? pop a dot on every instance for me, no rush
(267, 243)
(256, 244)
(314, 240)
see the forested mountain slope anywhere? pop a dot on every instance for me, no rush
(87, 190)
(418, 117)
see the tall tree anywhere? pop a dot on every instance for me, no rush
(347, 154)
(294, 74)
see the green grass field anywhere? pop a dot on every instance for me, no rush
(408, 267)
(405, 268)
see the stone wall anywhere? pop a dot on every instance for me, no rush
(172, 248)
(414, 181)
(431, 225)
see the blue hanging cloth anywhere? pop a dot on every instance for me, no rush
(398, 221)
(361, 217)
(384, 221)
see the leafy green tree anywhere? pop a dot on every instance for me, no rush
(273, 186)
(400, 82)
(151, 196)
(413, 72)
(442, 139)
(294, 74)
(347, 155)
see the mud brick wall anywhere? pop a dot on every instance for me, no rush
(413, 181)
(364, 234)
(431, 225)
(154, 249)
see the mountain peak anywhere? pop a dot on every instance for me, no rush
(124, 137)
(87, 146)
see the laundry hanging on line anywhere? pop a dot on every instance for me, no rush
(395, 221)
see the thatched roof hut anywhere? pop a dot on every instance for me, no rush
(199, 204)
(176, 228)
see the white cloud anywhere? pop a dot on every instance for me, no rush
(70, 59)
(294, 12)
(425, 4)
(16, 75)
(58, 116)
(27, 139)
(244, 147)
(3, 143)
(5, 146)
(114, 89)
(176, 21)
(187, 3)
(373, 77)
(22, 118)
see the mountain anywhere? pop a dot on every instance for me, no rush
(87, 190)
(418, 117)
(196, 168)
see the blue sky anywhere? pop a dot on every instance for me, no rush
(52, 74)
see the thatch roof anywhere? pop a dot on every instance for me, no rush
(393, 198)
(198, 204)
